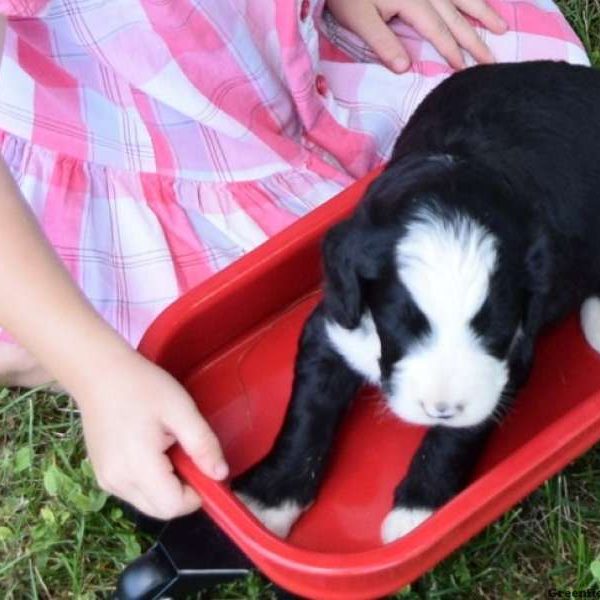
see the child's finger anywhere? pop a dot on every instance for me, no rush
(369, 25)
(464, 33)
(163, 491)
(197, 439)
(484, 13)
(425, 19)
(190, 500)
(135, 497)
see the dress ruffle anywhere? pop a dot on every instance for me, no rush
(135, 242)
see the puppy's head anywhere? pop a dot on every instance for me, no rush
(439, 295)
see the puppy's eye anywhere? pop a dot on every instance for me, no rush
(482, 321)
(415, 321)
(494, 331)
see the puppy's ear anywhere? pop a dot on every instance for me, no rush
(343, 294)
(355, 250)
(352, 253)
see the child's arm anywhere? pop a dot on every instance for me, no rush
(132, 411)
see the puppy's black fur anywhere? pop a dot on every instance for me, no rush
(517, 148)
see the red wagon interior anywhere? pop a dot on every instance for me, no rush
(232, 341)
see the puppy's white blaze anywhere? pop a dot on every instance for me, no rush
(590, 322)
(359, 347)
(446, 267)
(401, 521)
(279, 519)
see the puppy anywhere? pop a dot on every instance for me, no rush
(484, 227)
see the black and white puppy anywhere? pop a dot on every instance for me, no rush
(484, 227)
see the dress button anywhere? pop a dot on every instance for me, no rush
(304, 9)
(321, 85)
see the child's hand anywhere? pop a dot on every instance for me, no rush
(130, 419)
(132, 411)
(439, 21)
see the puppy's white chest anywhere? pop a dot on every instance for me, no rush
(360, 347)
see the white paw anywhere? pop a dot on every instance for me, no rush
(279, 519)
(401, 521)
(590, 321)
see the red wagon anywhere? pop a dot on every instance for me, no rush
(232, 342)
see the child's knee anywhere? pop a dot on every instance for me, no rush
(18, 368)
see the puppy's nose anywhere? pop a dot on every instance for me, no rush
(441, 407)
(441, 410)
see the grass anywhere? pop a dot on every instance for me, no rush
(62, 538)
(59, 535)
(584, 16)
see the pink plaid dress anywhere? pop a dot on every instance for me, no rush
(159, 141)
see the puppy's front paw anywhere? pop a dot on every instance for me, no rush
(401, 521)
(277, 519)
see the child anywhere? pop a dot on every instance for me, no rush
(156, 142)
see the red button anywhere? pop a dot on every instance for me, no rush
(304, 9)
(321, 84)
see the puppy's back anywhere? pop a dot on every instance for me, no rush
(536, 125)
(506, 108)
